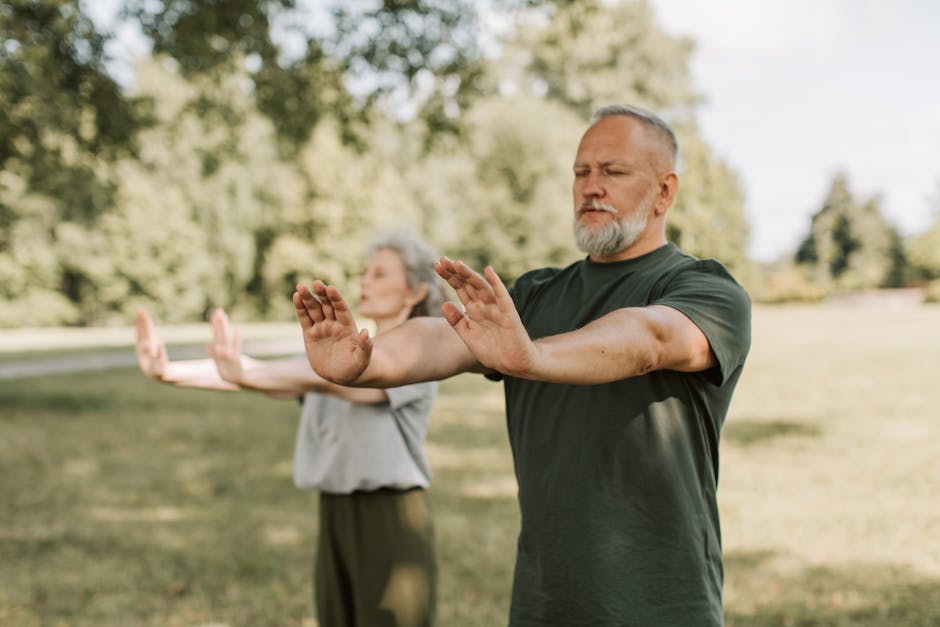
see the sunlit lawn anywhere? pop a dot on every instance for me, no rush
(123, 502)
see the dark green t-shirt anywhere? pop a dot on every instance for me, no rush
(617, 482)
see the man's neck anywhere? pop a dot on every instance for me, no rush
(638, 248)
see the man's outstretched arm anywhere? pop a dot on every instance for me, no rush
(624, 343)
(420, 349)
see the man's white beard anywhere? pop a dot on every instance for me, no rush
(615, 236)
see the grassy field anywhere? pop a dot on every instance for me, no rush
(124, 502)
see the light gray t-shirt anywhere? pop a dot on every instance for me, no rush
(343, 446)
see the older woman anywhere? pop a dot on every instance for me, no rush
(362, 449)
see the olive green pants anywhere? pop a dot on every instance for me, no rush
(375, 564)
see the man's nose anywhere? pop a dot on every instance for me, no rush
(593, 187)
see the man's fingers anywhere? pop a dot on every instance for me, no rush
(500, 292)
(306, 322)
(365, 341)
(444, 268)
(326, 308)
(452, 313)
(468, 284)
(474, 290)
(307, 305)
(341, 312)
(311, 303)
(447, 270)
(472, 279)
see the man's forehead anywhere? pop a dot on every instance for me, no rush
(606, 148)
(615, 128)
(617, 138)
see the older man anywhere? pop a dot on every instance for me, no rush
(618, 373)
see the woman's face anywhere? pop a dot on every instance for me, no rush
(384, 291)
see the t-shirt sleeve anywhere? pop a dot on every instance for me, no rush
(408, 394)
(710, 297)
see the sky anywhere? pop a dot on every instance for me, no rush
(796, 90)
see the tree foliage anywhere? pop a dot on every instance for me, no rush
(924, 249)
(593, 53)
(850, 245)
(422, 52)
(505, 199)
(60, 111)
(707, 218)
(234, 168)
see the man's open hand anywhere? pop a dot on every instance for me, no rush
(336, 349)
(489, 325)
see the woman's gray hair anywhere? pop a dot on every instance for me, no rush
(418, 259)
(652, 121)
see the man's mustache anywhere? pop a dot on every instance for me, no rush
(596, 205)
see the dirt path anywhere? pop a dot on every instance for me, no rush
(115, 357)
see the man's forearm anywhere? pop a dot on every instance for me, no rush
(625, 343)
(420, 349)
(295, 377)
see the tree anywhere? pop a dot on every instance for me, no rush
(60, 113)
(211, 213)
(504, 198)
(923, 250)
(69, 144)
(423, 52)
(592, 53)
(235, 168)
(707, 218)
(63, 119)
(850, 245)
(559, 65)
(179, 236)
(583, 55)
(30, 274)
(350, 196)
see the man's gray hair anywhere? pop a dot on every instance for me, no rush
(418, 259)
(650, 119)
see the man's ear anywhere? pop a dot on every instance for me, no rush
(668, 186)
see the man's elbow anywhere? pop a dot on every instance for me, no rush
(650, 362)
(697, 360)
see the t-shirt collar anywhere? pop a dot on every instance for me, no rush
(634, 263)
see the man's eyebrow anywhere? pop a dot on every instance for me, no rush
(602, 164)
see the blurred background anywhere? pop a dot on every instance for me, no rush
(182, 155)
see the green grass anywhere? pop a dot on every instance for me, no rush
(124, 502)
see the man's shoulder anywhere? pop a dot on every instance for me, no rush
(684, 264)
(546, 274)
(532, 280)
(538, 275)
